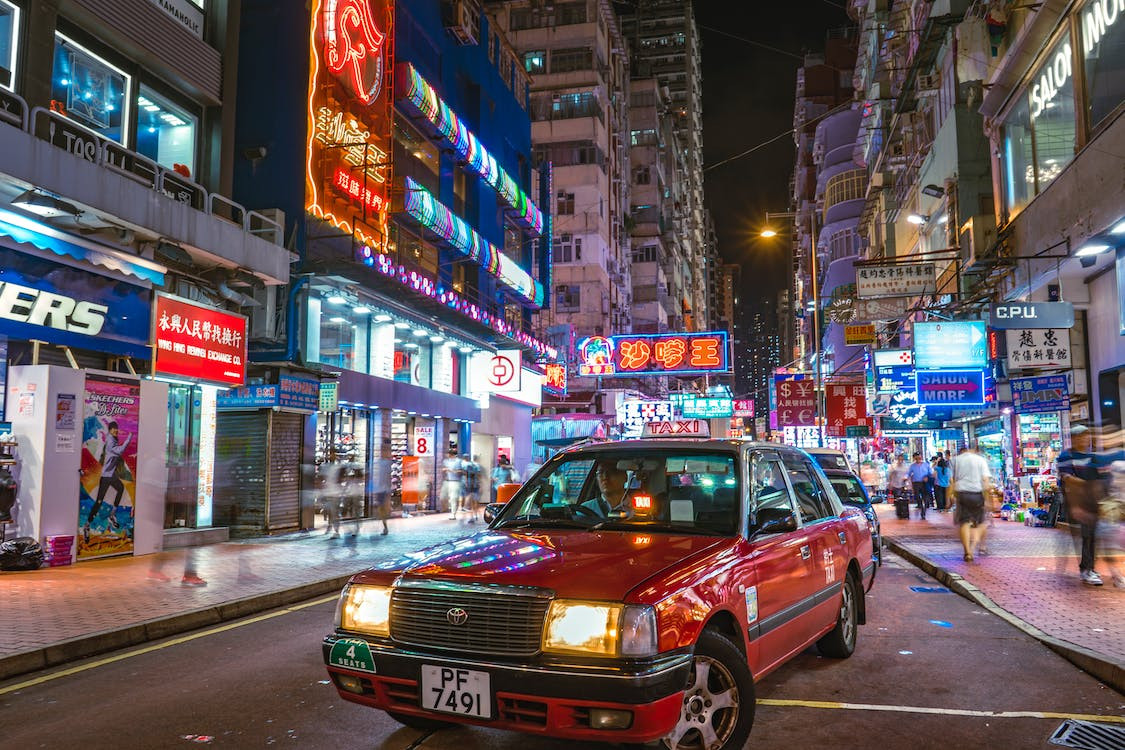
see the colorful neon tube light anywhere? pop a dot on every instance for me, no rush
(426, 100)
(429, 212)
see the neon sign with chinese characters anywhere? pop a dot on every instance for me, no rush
(422, 97)
(595, 356)
(554, 379)
(349, 117)
(670, 354)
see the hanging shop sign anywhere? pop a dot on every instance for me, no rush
(293, 393)
(197, 342)
(554, 379)
(256, 396)
(300, 394)
(347, 171)
(880, 309)
(894, 370)
(46, 301)
(1041, 394)
(845, 407)
(861, 334)
(184, 13)
(328, 396)
(1010, 315)
(744, 407)
(904, 280)
(796, 401)
(707, 407)
(633, 415)
(951, 344)
(655, 354)
(1038, 348)
(906, 416)
(950, 387)
(495, 372)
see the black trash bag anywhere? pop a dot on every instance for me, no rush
(22, 553)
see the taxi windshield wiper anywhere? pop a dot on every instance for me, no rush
(523, 523)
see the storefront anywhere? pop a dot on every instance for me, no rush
(1039, 441)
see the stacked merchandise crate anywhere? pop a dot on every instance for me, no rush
(59, 550)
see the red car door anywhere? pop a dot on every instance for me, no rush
(776, 576)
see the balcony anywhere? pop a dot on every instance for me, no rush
(842, 188)
(115, 188)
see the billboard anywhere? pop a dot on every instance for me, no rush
(900, 280)
(950, 387)
(845, 406)
(107, 482)
(951, 345)
(347, 168)
(796, 401)
(199, 343)
(1042, 394)
(633, 355)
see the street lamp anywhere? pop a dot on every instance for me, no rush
(767, 233)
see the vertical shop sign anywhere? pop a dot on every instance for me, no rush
(424, 440)
(329, 393)
(108, 474)
(845, 406)
(796, 401)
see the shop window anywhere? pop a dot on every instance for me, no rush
(413, 353)
(9, 43)
(166, 133)
(513, 242)
(1103, 46)
(87, 89)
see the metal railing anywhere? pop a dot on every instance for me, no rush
(83, 143)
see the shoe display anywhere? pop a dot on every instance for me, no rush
(1091, 578)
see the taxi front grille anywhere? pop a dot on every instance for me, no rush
(494, 623)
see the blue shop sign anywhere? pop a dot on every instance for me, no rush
(951, 387)
(1040, 394)
(68, 306)
(248, 397)
(298, 393)
(951, 344)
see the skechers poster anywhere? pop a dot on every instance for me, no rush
(108, 477)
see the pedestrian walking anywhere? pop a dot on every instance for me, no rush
(920, 472)
(472, 485)
(1111, 521)
(503, 473)
(381, 484)
(897, 481)
(943, 475)
(1083, 487)
(332, 496)
(453, 482)
(971, 480)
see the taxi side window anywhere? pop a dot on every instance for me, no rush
(768, 484)
(811, 500)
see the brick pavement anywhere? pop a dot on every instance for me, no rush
(50, 605)
(1030, 572)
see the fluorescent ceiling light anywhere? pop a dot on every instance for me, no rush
(382, 317)
(437, 339)
(1119, 229)
(1092, 249)
(420, 332)
(361, 309)
(466, 349)
(402, 326)
(335, 299)
(337, 319)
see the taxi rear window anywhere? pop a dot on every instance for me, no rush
(676, 490)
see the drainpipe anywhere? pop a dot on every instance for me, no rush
(291, 318)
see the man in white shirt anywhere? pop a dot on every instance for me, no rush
(453, 486)
(971, 480)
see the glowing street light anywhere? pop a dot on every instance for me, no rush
(767, 233)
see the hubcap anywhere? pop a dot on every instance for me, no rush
(847, 614)
(710, 710)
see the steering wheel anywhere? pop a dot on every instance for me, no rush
(588, 511)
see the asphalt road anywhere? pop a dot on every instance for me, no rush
(260, 682)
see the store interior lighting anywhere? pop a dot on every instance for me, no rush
(1093, 248)
(1119, 229)
(437, 339)
(337, 319)
(335, 299)
(382, 318)
(420, 332)
(361, 309)
(917, 219)
(47, 206)
(402, 326)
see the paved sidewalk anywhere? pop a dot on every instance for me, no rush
(54, 615)
(1029, 572)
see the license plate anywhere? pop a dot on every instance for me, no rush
(465, 692)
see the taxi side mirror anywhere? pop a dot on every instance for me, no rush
(774, 521)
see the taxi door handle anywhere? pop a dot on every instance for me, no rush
(805, 554)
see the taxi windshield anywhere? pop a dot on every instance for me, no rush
(673, 490)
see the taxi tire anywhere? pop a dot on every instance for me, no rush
(840, 641)
(719, 647)
(421, 723)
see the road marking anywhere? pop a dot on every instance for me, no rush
(173, 642)
(941, 711)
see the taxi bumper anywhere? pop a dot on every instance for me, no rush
(551, 700)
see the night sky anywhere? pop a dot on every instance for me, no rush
(748, 99)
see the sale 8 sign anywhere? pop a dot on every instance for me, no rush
(796, 401)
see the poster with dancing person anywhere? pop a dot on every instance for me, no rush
(108, 475)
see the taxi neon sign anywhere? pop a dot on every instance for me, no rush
(680, 428)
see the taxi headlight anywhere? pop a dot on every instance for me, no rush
(599, 629)
(365, 609)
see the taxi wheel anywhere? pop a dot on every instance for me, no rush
(840, 643)
(718, 708)
(421, 723)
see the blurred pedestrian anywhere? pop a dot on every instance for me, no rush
(381, 483)
(453, 482)
(920, 472)
(332, 495)
(503, 473)
(897, 477)
(1111, 519)
(971, 480)
(472, 485)
(1082, 488)
(943, 474)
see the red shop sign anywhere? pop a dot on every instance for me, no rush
(846, 406)
(197, 342)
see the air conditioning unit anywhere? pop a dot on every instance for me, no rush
(929, 84)
(976, 239)
(882, 180)
(461, 19)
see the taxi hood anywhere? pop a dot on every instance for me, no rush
(576, 564)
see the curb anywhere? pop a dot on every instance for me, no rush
(1108, 671)
(86, 646)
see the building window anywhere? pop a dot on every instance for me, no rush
(9, 38)
(166, 133)
(644, 254)
(569, 153)
(568, 248)
(535, 61)
(568, 296)
(571, 59)
(415, 156)
(1103, 46)
(646, 137)
(1039, 131)
(87, 89)
(565, 204)
(642, 175)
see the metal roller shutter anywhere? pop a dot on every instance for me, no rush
(286, 436)
(241, 448)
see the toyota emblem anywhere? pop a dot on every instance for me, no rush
(457, 616)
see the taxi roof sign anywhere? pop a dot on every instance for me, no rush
(680, 428)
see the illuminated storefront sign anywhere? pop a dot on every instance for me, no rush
(744, 407)
(901, 280)
(796, 401)
(429, 212)
(894, 370)
(951, 387)
(845, 408)
(654, 354)
(633, 415)
(706, 407)
(422, 96)
(349, 117)
(954, 344)
(1042, 394)
(197, 342)
(554, 379)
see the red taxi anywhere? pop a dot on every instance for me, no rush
(629, 592)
